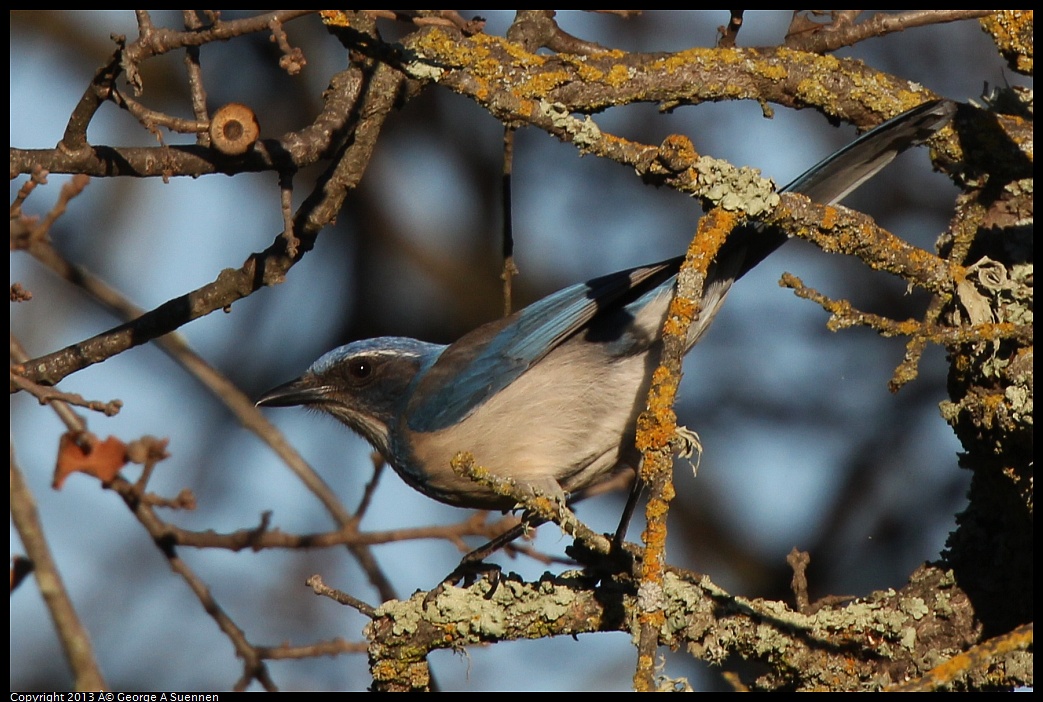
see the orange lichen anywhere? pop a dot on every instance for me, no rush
(829, 217)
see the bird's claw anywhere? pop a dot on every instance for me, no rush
(465, 575)
(687, 444)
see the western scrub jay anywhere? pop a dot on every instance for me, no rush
(550, 395)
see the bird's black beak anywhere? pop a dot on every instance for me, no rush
(302, 391)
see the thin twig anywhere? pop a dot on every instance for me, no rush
(72, 635)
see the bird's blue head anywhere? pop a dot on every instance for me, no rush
(365, 384)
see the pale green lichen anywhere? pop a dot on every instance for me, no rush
(423, 71)
(584, 132)
(472, 616)
(1020, 400)
(908, 639)
(916, 608)
(405, 616)
(735, 189)
(992, 292)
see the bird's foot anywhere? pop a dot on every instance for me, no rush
(687, 444)
(465, 575)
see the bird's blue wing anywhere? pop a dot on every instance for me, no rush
(491, 357)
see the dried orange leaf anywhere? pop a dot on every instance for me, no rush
(102, 459)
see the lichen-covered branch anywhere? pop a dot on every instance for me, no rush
(858, 645)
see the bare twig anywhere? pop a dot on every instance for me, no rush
(320, 588)
(822, 38)
(72, 635)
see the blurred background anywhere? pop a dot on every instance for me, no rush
(804, 445)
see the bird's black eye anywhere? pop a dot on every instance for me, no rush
(360, 368)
